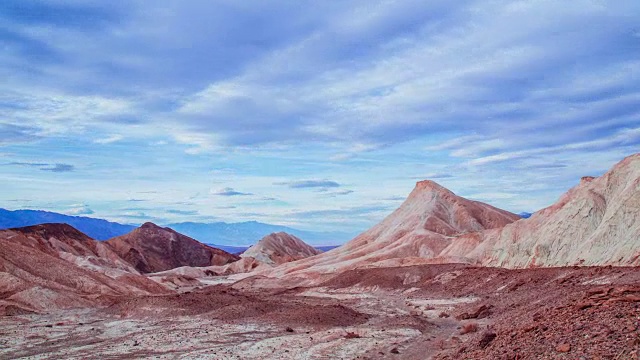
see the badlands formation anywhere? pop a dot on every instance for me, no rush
(279, 248)
(442, 277)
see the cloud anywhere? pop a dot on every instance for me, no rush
(59, 168)
(304, 184)
(484, 95)
(109, 139)
(45, 166)
(182, 212)
(437, 176)
(339, 193)
(364, 210)
(229, 192)
(79, 209)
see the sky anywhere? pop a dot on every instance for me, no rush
(319, 115)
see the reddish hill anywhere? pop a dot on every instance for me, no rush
(151, 248)
(54, 266)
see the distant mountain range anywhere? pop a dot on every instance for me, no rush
(249, 232)
(231, 237)
(98, 229)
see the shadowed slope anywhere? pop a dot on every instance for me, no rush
(151, 248)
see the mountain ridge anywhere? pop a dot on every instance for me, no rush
(217, 234)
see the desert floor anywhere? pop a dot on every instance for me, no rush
(419, 312)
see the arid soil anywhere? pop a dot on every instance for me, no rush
(418, 312)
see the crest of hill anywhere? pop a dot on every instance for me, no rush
(151, 248)
(279, 248)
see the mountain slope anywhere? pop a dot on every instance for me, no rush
(424, 225)
(151, 248)
(96, 228)
(595, 223)
(280, 248)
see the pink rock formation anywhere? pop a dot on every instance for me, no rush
(272, 250)
(280, 248)
(151, 248)
(595, 223)
(421, 228)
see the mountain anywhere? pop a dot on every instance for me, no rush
(246, 233)
(96, 228)
(280, 248)
(525, 215)
(595, 223)
(54, 266)
(151, 248)
(422, 227)
(236, 236)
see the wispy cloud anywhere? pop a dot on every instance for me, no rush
(46, 167)
(182, 212)
(305, 184)
(59, 168)
(229, 192)
(109, 139)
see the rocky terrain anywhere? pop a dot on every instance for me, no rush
(54, 266)
(442, 277)
(414, 312)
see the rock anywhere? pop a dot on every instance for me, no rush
(351, 335)
(487, 338)
(563, 348)
(469, 328)
(481, 313)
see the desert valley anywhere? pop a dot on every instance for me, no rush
(442, 277)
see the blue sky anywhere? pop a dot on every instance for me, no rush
(313, 114)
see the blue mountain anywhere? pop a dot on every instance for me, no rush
(232, 237)
(96, 228)
(249, 232)
(525, 215)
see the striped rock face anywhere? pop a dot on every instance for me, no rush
(595, 223)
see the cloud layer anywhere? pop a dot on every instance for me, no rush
(506, 101)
